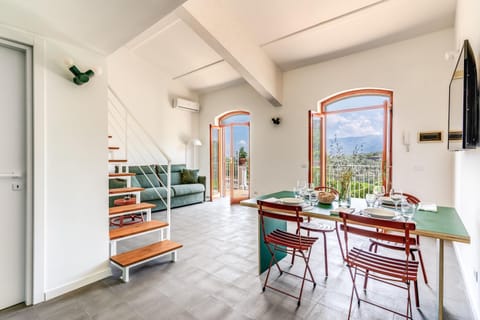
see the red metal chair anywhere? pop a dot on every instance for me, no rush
(414, 247)
(283, 241)
(393, 271)
(323, 228)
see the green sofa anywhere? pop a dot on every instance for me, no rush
(186, 186)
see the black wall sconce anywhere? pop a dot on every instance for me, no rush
(276, 121)
(80, 77)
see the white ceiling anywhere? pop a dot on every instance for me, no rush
(103, 26)
(291, 33)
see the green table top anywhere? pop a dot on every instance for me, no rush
(445, 224)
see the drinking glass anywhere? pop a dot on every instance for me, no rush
(408, 210)
(396, 195)
(378, 191)
(302, 186)
(370, 199)
(297, 192)
(313, 198)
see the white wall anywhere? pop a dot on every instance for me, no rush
(148, 93)
(415, 70)
(467, 164)
(70, 179)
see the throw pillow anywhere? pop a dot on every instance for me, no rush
(189, 176)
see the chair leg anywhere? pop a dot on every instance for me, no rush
(294, 250)
(374, 247)
(417, 298)
(423, 267)
(325, 253)
(339, 241)
(307, 267)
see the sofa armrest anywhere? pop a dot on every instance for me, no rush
(203, 180)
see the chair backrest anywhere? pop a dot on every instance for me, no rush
(375, 228)
(410, 198)
(327, 189)
(279, 211)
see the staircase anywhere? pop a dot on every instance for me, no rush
(130, 145)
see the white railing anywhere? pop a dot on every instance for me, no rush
(364, 178)
(137, 145)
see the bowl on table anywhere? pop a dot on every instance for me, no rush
(325, 197)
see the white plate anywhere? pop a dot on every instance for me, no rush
(380, 213)
(291, 200)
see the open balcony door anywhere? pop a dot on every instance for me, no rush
(229, 159)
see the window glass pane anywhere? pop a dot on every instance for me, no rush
(316, 160)
(235, 119)
(354, 141)
(356, 102)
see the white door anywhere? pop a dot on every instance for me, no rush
(13, 99)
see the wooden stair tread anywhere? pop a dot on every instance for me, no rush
(137, 255)
(124, 190)
(121, 174)
(136, 229)
(130, 208)
(113, 148)
(117, 160)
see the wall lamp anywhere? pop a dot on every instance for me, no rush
(81, 77)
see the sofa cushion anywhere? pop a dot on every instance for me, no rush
(189, 176)
(151, 194)
(149, 180)
(174, 167)
(183, 189)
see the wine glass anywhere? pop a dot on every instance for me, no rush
(370, 199)
(297, 192)
(396, 195)
(301, 185)
(378, 191)
(408, 210)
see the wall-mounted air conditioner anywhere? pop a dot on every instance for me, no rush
(185, 104)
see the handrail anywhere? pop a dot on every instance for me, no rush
(139, 124)
(133, 130)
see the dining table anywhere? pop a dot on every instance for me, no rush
(443, 225)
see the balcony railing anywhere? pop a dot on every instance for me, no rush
(364, 178)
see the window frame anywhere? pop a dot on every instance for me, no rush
(322, 114)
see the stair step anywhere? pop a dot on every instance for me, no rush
(144, 253)
(113, 148)
(137, 228)
(117, 160)
(121, 174)
(124, 190)
(130, 208)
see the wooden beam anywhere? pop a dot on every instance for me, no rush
(219, 29)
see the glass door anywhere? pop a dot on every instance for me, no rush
(229, 157)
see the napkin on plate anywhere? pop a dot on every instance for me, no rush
(427, 207)
(273, 200)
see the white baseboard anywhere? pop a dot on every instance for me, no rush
(58, 291)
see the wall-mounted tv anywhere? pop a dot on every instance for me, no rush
(463, 108)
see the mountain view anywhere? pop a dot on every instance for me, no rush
(369, 143)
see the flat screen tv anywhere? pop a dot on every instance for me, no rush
(463, 108)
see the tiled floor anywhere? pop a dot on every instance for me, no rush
(216, 277)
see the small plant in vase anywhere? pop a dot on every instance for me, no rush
(242, 156)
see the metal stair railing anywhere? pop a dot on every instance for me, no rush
(139, 147)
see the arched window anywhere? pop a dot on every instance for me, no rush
(352, 130)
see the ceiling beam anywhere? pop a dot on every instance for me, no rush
(219, 29)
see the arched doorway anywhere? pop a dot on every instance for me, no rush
(230, 156)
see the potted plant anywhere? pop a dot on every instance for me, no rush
(242, 156)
